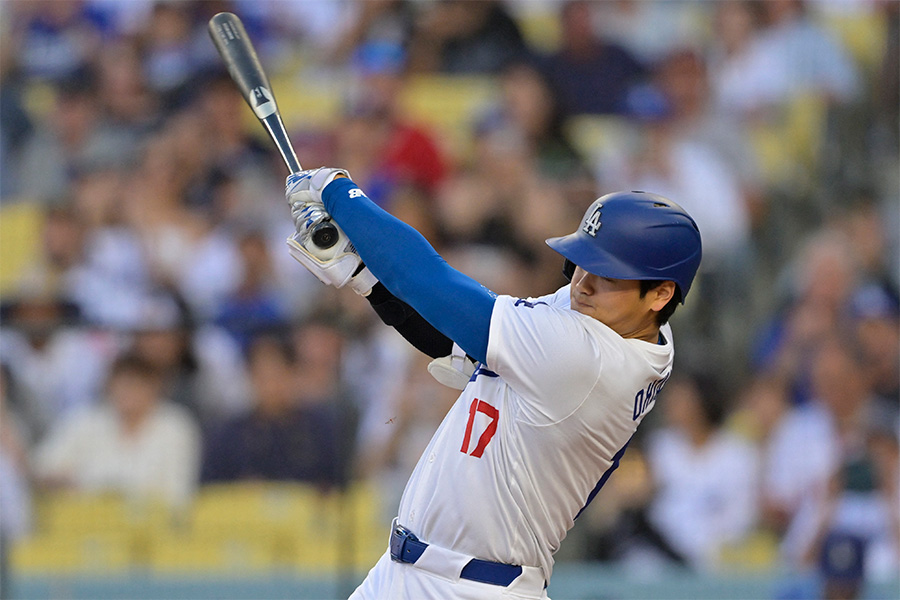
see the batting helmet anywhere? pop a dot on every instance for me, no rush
(635, 235)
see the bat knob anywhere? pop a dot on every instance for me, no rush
(325, 235)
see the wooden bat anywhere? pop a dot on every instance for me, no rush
(234, 45)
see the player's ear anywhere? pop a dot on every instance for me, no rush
(661, 294)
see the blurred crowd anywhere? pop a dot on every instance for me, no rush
(156, 336)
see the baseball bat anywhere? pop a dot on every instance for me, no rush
(234, 46)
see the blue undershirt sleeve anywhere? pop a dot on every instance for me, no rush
(403, 260)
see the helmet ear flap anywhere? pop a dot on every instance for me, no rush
(568, 270)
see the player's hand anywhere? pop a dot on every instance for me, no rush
(304, 189)
(337, 265)
(454, 370)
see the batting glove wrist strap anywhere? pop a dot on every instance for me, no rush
(332, 266)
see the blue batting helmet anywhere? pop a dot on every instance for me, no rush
(635, 235)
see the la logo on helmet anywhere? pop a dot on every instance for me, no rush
(592, 223)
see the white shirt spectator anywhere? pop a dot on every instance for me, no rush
(62, 376)
(706, 496)
(160, 460)
(800, 456)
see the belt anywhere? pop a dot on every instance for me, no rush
(407, 548)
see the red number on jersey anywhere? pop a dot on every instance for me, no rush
(479, 406)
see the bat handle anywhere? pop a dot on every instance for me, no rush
(325, 234)
(276, 129)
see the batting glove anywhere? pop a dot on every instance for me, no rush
(303, 191)
(337, 265)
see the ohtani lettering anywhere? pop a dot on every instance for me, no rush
(480, 406)
(527, 304)
(644, 399)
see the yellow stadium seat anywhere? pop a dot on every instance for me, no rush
(790, 145)
(179, 553)
(279, 525)
(73, 513)
(541, 28)
(310, 103)
(864, 35)
(448, 106)
(600, 136)
(757, 552)
(20, 239)
(60, 553)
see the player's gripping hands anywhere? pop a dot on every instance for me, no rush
(337, 265)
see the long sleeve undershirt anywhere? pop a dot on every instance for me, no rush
(408, 266)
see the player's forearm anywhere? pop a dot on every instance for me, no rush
(407, 265)
(411, 325)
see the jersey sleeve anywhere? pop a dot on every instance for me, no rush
(549, 355)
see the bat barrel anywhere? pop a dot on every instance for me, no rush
(234, 45)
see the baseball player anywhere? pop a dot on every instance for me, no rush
(560, 383)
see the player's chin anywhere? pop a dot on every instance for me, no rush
(582, 308)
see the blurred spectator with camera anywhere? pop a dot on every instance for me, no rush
(857, 498)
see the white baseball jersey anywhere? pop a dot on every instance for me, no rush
(534, 434)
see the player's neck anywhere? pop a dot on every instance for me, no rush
(647, 331)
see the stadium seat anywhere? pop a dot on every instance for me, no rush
(448, 106)
(59, 553)
(20, 237)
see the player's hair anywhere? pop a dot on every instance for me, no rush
(662, 317)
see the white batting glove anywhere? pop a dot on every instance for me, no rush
(337, 265)
(304, 189)
(454, 370)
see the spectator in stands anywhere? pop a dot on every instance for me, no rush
(172, 51)
(289, 433)
(635, 26)
(15, 488)
(200, 365)
(858, 496)
(18, 125)
(59, 367)
(379, 142)
(781, 428)
(111, 276)
(74, 135)
(697, 166)
(135, 443)
(813, 60)
(530, 111)
(684, 82)
(501, 203)
(378, 22)
(125, 98)
(771, 52)
(706, 477)
(589, 74)
(819, 283)
(739, 76)
(54, 39)
(255, 306)
(182, 247)
(460, 37)
(876, 334)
